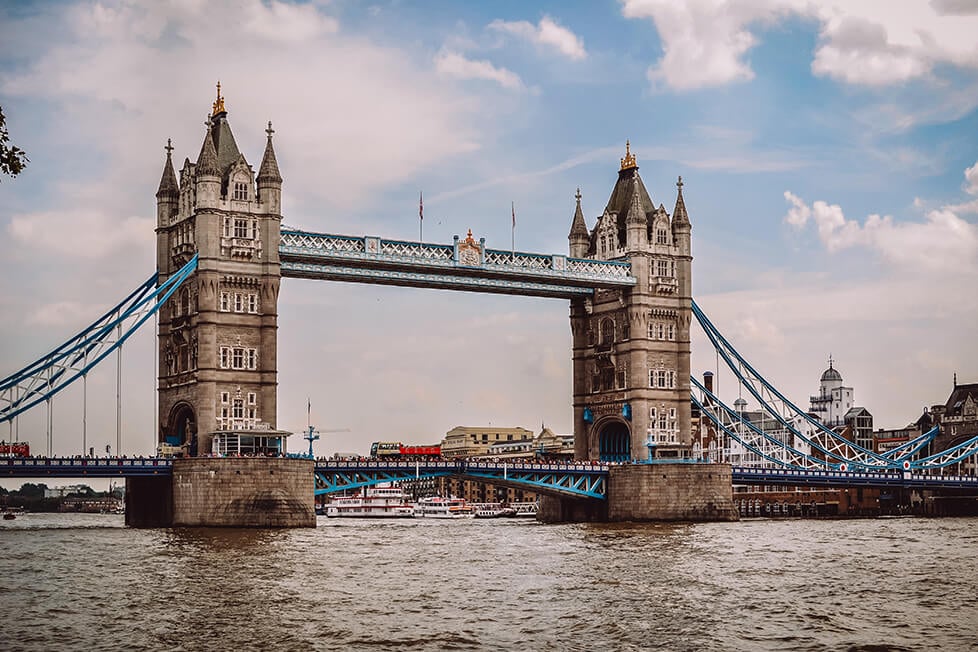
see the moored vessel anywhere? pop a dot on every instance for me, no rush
(375, 502)
(440, 507)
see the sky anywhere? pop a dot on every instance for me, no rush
(829, 153)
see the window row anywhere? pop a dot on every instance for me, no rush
(241, 227)
(240, 302)
(664, 267)
(226, 398)
(609, 378)
(659, 330)
(662, 379)
(240, 191)
(238, 357)
(662, 419)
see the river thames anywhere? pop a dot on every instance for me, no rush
(85, 582)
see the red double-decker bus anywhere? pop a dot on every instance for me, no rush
(421, 451)
(15, 449)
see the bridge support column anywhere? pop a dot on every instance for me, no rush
(149, 501)
(243, 492)
(670, 492)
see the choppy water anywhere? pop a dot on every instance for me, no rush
(84, 582)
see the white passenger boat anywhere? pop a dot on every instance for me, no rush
(439, 507)
(492, 510)
(376, 502)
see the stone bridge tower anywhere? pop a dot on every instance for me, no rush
(631, 347)
(217, 333)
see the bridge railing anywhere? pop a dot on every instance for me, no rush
(324, 248)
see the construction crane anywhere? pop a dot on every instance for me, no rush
(311, 433)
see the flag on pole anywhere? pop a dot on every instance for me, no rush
(513, 231)
(421, 216)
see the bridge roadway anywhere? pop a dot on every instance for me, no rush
(463, 265)
(584, 480)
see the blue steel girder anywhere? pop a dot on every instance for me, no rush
(754, 475)
(75, 467)
(575, 480)
(374, 260)
(333, 482)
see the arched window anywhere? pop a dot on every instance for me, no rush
(607, 331)
(185, 302)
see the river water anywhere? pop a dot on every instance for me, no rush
(85, 582)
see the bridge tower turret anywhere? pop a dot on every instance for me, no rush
(217, 335)
(578, 237)
(631, 347)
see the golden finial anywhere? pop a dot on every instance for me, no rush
(219, 102)
(628, 162)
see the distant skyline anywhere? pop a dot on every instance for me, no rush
(829, 153)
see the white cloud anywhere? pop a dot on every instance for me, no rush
(971, 179)
(547, 33)
(453, 64)
(942, 243)
(127, 76)
(706, 42)
(79, 234)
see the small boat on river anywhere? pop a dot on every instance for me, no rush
(375, 502)
(439, 507)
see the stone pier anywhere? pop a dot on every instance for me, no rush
(225, 492)
(653, 492)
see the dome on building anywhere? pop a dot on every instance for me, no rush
(831, 373)
(740, 405)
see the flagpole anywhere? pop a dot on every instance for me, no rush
(421, 217)
(513, 234)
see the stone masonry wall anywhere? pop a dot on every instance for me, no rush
(670, 492)
(243, 492)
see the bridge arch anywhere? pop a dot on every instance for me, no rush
(181, 427)
(613, 437)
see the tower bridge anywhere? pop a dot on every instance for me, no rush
(222, 252)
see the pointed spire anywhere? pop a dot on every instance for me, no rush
(679, 215)
(218, 107)
(169, 188)
(628, 162)
(268, 172)
(207, 161)
(578, 225)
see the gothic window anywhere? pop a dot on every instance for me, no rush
(608, 378)
(252, 398)
(238, 358)
(672, 419)
(626, 330)
(237, 409)
(662, 268)
(225, 397)
(185, 302)
(240, 191)
(253, 303)
(590, 337)
(662, 420)
(240, 228)
(622, 373)
(661, 237)
(595, 381)
(671, 332)
(238, 302)
(225, 302)
(607, 331)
